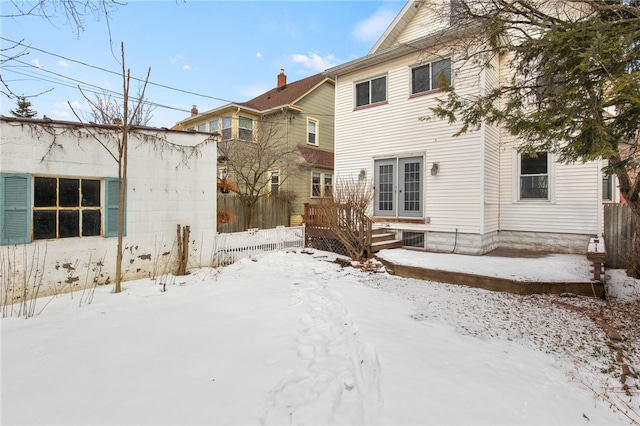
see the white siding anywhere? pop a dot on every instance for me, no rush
(429, 19)
(164, 189)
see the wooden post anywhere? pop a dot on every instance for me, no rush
(183, 249)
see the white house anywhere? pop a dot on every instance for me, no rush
(468, 194)
(59, 204)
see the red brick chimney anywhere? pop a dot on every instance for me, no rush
(282, 79)
(194, 111)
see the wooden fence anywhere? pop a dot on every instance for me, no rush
(240, 245)
(618, 233)
(268, 212)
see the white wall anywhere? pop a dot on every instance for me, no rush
(170, 182)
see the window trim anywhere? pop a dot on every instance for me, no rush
(273, 173)
(240, 118)
(322, 184)
(369, 81)
(230, 128)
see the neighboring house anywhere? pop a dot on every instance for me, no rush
(309, 106)
(468, 194)
(59, 204)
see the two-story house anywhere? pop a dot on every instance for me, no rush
(467, 194)
(308, 105)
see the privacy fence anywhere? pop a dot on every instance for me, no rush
(618, 234)
(268, 212)
(234, 246)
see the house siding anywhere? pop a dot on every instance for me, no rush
(163, 191)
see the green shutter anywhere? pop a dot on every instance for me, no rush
(15, 199)
(111, 209)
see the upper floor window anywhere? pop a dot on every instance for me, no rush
(245, 128)
(371, 91)
(213, 126)
(274, 182)
(534, 176)
(430, 76)
(226, 128)
(312, 131)
(202, 127)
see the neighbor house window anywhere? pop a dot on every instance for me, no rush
(430, 76)
(275, 182)
(371, 91)
(321, 184)
(245, 128)
(213, 126)
(50, 207)
(534, 176)
(608, 187)
(312, 131)
(226, 128)
(202, 127)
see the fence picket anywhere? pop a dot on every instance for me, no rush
(231, 247)
(618, 234)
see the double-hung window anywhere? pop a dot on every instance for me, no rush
(52, 207)
(213, 126)
(534, 176)
(245, 128)
(202, 127)
(274, 180)
(226, 128)
(371, 91)
(312, 131)
(425, 78)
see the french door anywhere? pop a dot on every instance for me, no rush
(399, 187)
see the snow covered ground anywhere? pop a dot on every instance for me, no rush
(294, 338)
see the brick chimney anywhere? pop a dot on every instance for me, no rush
(282, 79)
(194, 111)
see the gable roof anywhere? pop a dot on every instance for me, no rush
(286, 95)
(389, 37)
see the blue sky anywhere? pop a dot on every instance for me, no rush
(227, 51)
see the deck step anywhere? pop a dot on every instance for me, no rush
(386, 244)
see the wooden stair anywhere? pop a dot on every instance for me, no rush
(382, 239)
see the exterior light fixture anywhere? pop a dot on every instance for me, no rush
(435, 168)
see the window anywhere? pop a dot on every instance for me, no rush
(371, 91)
(275, 182)
(49, 207)
(608, 181)
(213, 126)
(328, 184)
(202, 127)
(245, 128)
(321, 184)
(398, 183)
(429, 77)
(226, 128)
(534, 176)
(413, 239)
(312, 131)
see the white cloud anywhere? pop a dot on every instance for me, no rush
(63, 64)
(187, 67)
(36, 63)
(176, 58)
(259, 55)
(314, 62)
(372, 28)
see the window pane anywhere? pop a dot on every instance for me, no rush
(69, 192)
(90, 193)
(202, 127)
(532, 187)
(69, 225)
(441, 69)
(412, 187)
(328, 184)
(379, 90)
(44, 194)
(90, 223)
(385, 195)
(44, 224)
(315, 184)
(226, 128)
(213, 126)
(311, 125)
(607, 188)
(362, 94)
(245, 123)
(420, 79)
(533, 166)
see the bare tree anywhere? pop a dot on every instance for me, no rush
(345, 214)
(106, 109)
(249, 163)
